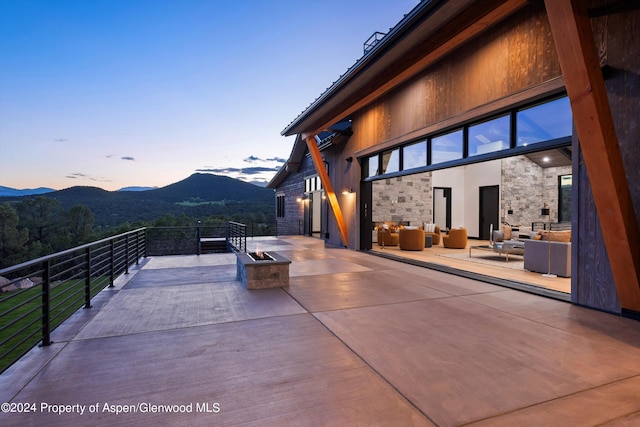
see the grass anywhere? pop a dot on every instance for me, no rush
(65, 298)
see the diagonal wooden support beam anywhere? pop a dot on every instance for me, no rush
(573, 37)
(328, 188)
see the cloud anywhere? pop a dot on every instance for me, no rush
(80, 175)
(115, 156)
(254, 170)
(254, 159)
(60, 140)
(277, 159)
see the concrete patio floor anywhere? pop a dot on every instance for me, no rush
(356, 340)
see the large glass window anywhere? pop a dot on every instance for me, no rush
(391, 161)
(414, 155)
(490, 136)
(544, 122)
(564, 197)
(447, 147)
(280, 206)
(312, 184)
(372, 165)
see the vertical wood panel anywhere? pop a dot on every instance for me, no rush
(592, 283)
(512, 56)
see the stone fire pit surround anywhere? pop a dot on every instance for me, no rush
(262, 274)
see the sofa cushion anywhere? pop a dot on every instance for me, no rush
(555, 236)
(429, 228)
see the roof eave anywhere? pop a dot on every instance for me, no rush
(370, 57)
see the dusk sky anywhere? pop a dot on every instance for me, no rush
(117, 93)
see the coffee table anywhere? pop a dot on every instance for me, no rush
(513, 247)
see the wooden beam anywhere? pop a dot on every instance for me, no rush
(573, 37)
(328, 187)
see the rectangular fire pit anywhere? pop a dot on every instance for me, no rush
(263, 270)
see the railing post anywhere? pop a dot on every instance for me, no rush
(126, 254)
(145, 242)
(198, 236)
(87, 280)
(137, 247)
(112, 264)
(46, 301)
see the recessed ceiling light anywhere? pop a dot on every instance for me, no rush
(545, 159)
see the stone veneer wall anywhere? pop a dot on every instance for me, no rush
(403, 199)
(526, 187)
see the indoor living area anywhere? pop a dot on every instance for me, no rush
(496, 209)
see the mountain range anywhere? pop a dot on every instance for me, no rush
(15, 192)
(197, 196)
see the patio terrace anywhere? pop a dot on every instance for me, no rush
(355, 340)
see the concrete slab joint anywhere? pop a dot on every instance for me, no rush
(263, 274)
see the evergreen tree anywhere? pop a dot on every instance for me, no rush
(13, 241)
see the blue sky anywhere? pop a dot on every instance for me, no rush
(116, 93)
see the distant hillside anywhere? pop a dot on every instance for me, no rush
(211, 188)
(198, 196)
(14, 192)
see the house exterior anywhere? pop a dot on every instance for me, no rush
(462, 96)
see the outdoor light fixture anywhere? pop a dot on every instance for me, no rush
(349, 159)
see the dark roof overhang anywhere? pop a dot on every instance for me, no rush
(337, 134)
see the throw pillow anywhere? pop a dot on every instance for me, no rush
(506, 231)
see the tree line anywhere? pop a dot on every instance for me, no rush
(35, 227)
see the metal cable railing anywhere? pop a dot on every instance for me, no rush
(236, 237)
(38, 295)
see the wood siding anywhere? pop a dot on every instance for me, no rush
(293, 187)
(593, 285)
(509, 58)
